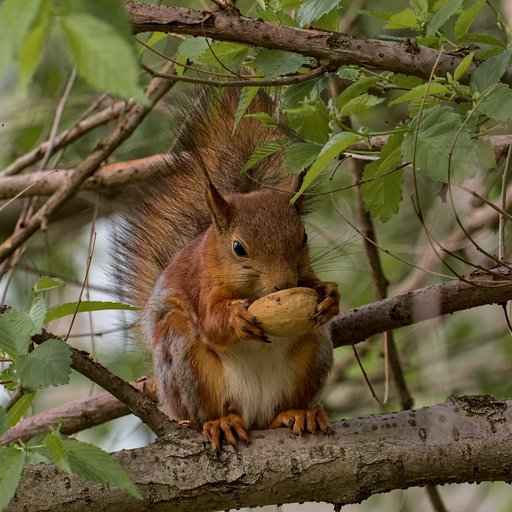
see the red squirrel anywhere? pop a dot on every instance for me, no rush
(196, 247)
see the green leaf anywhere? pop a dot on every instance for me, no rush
(262, 152)
(498, 104)
(33, 45)
(466, 19)
(423, 90)
(403, 19)
(421, 104)
(294, 95)
(231, 55)
(48, 364)
(12, 461)
(354, 90)
(300, 155)
(70, 308)
(274, 63)
(438, 130)
(105, 60)
(483, 39)
(383, 194)
(263, 117)
(485, 154)
(311, 121)
(17, 411)
(16, 329)
(420, 7)
(56, 450)
(247, 94)
(38, 314)
(489, 72)
(463, 66)
(312, 10)
(15, 22)
(447, 10)
(45, 283)
(360, 104)
(92, 463)
(193, 48)
(4, 421)
(334, 146)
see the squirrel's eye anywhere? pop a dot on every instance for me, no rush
(238, 249)
(305, 240)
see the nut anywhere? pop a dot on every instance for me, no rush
(287, 312)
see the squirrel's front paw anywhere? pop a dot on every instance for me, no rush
(303, 420)
(231, 427)
(244, 324)
(329, 305)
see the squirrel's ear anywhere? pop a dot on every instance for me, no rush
(295, 185)
(220, 209)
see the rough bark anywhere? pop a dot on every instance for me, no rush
(466, 439)
(329, 47)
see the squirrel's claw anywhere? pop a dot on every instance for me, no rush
(303, 420)
(231, 427)
(329, 305)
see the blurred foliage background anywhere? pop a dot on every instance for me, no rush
(466, 353)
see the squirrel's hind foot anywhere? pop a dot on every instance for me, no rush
(303, 420)
(231, 427)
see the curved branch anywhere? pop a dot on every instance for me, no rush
(332, 47)
(464, 439)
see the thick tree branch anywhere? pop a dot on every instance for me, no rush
(465, 439)
(335, 48)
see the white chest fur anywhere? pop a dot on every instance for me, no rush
(257, 377)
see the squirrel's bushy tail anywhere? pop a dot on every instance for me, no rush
(166, 213)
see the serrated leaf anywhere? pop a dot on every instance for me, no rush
(16, 329)
(193, 48)
(103, 57)
(420, 7)
(311, 121)
(70, 308)
(403, 19)
(247, 94)
(12, 461)
(56, 450)
(92, 463)
(38, 313)
(4, 421)
(498, 104)
(263, 117)
(354, 90)
(489, 72)
(45, 283)
(360, 104)
(262, 152)
(483, 39)
(231, 55)
(33, 44)
(295, 94)
(274, 63)
(466, 19)
(334, 146)
(300, 155)
(49, 364)
(447, 10)
(419, 104)
(17, 411)
(463, 66)
(383, 194)
(438, 136)
(423, 90)
(313, 10)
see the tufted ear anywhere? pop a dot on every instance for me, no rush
(295, 185)
(220, 209)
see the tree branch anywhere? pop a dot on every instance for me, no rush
(332, 47)
(464, 439)
(481, 288)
